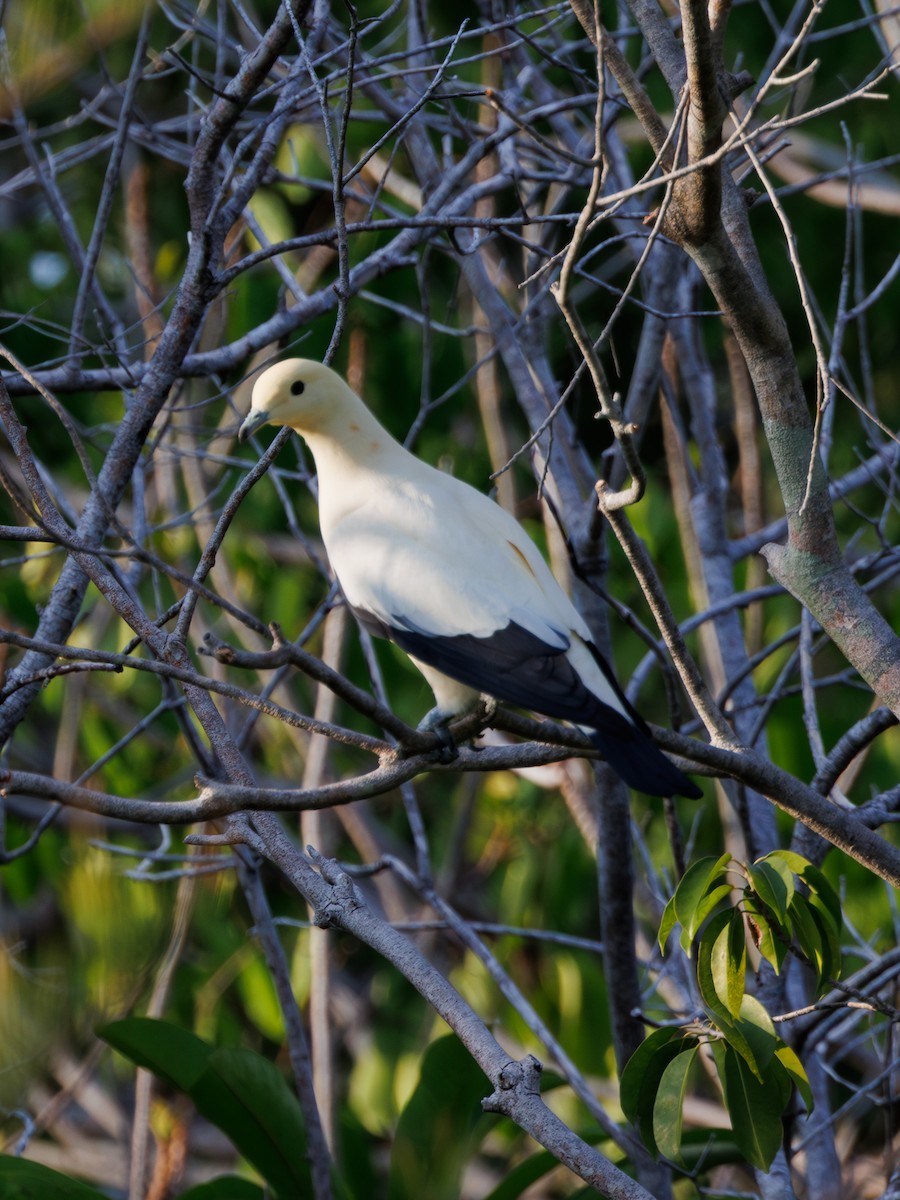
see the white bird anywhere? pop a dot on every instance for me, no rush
(432, 564)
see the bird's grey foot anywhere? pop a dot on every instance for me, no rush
(484, 713)
(438, 722)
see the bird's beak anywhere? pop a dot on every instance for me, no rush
(255, 419)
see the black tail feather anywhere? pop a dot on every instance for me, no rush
(643, 766)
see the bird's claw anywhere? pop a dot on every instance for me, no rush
(438, 723)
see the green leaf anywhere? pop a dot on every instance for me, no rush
(772, 888)
(829, 934)
(728, 964)
(703, 1149)
(825, 915)
(643, 1074)
(704, 908)
(814, 880)
(776, 862)
(520, 1177)
(22, 1179)
(667, 924)
(631, 1085)
(173, 1054)
(758, 1030)
(755, 1108)
(358, 1174)
(668, 1109)
(824, 894)
(718, 1047)
(700, 878)
(806, 933)
(831, 942)
(816, 917)
(816, 938)
(239, 1091)
(792, 860)
(440, 1126)
(225, 1187)
(752, 1035)
(707, 972)
(795, 1070)
(773, 944)
(698, 881)
(247, 1097)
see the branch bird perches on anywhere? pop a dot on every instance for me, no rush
(450, 577)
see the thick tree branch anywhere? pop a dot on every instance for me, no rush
(810, 566)
(339, 904)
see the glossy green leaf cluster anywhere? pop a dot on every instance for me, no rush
(780, 904)
(248, 1099)
(22, 1179)
(239, 1091)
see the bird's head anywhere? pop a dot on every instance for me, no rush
(297, 392)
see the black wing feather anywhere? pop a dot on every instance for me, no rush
(519, 668)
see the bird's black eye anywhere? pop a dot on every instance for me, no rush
(297, 387)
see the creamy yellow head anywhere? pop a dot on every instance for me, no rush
(298, 392)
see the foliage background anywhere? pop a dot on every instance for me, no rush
(102, 918)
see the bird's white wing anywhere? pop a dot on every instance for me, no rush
(455, 581)
(446, 561)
